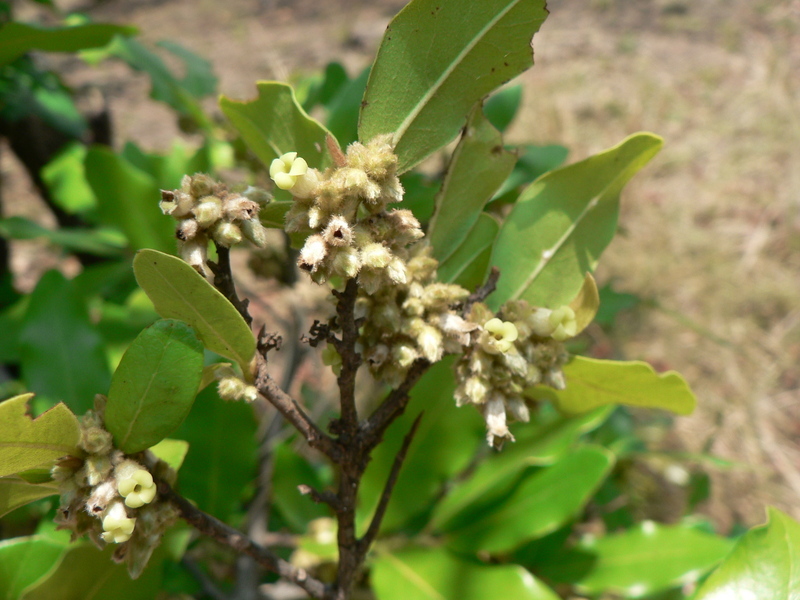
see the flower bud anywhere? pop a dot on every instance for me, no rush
(518, 409)
(429, 340)
(338, 232)
(313, 253)
(375, 256)
(195, 253)
(231, 388)
(254, 231)
(346, 262)
(227, 234)
(396, 270)
(239, 208)
(495, 416)
(208, 211)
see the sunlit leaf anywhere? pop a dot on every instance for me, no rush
(435, 574)
(274, 123)
(479, 240)
(592, 382)
(180, 292)
(764, 564)
(172, 452)
(27, 443)
(478, 166)
(639, 562)
(65, 177)
(502, 107)
(562, 222)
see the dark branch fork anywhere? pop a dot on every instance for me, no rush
(350, 449)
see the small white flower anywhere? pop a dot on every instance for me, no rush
(117, 526)
(285, 170)
(495, 415)
(504, 333)
(138, 488)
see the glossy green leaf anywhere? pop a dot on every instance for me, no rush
(102, 242)
(169, 168)
(26, 560)
(16, 492)
(435, 574)
(639, 562)
(274, 123)
(86, 573)
(154, 386)
(65, 177)
(446, 441)
(27, 443)
(542, 502)
(452, 54)
(222, 457)
(764, 564)
(478, 241)
(592, 382)
(172, 452)
(502, 107)
(420, 194)
(180, 292)
(18, 38)
(478, 166)
(61, 351)
(128, 200)
(562, 222)
(534, 446)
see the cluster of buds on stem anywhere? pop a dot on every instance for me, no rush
(205, 211)
(512, 351)
(112, 497)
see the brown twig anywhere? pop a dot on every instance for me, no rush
(351, 360)
(294, 414)
(324, 497)
(482, 292)
(375, 525)
(228, 536)
(223, 281)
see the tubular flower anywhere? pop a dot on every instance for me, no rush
(503, 332)
(138, 489)
(285, 170)
(117, 526)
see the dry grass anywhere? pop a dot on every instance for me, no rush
(711, 229)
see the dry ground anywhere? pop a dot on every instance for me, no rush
(710, 230)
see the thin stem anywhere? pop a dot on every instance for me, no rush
(351, 360)
(223, 281)
(230, 537)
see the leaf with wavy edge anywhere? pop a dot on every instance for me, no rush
(592, 382)
(26, 443)
(15, 492)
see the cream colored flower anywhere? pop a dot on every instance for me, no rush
(138, 488)
(286, 169)
(504, 333)
(563, 320)
(117, 526)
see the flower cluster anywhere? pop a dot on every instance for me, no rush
(343, 210)
(510, 353)
(206, 210)
(110, 496)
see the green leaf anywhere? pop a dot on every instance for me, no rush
(542, 502)
(562, 222)
(764, 564)
(326, 88)
(502, 107)
(15, 492)
(592, 382)
(102, 242)
(128, 200)
(272, 215)
(86, 573)
(168, 169)
(274, 123)
(533, 162)
(154, 386)
(478, 166)
(446, 441)
(639, 562)
(344, 108)
(536, 445)
(18, 38)
(60, 350)
(180, 292)
(26, 560)
(435, 574)
(292, 470)
(172, 452)
(612, 303)
(27, 443)
(478, 242)
(11, 323)
(65, 177)
(222, 456)
(454, 53)
(182, 95)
